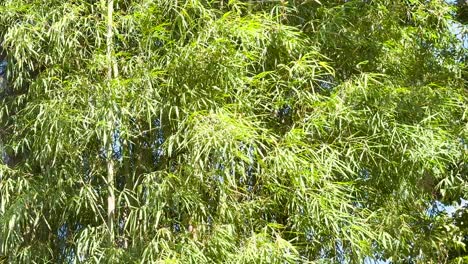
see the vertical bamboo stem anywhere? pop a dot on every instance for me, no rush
(110, 162)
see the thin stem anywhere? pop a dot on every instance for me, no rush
(110, 162)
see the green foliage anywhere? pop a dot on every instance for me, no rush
(462, 11)
(261, 132)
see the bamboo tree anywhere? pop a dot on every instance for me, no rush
(150, 131)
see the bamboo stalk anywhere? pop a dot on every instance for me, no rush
(110, 162)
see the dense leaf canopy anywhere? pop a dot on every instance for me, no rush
(232, 131)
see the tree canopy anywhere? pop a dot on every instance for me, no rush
(212, 131)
